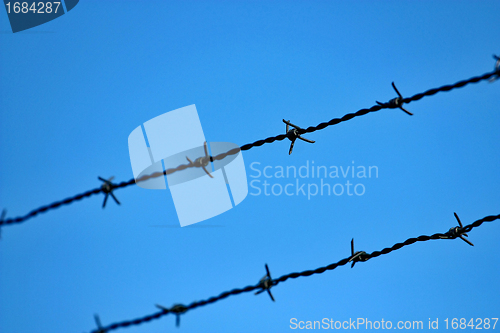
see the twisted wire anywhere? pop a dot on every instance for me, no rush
(178, 309)
(258, 143)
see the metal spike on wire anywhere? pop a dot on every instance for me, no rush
(266, 283)
(177, 309)
(357, 256)
(107, 189)
(294, 134)
(458, 232)
(497, 68)
(201, 162)
(100, 329)
(395, 102)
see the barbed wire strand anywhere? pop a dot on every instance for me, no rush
(395, 103)
(266, 283)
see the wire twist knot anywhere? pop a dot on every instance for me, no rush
(202, 162)
(357, 256)
(395, 102)
(294, 134)
(266, 283)
(457, 232)
(177, 309)
(107, 188)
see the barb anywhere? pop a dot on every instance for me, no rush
(107, 188)
(299, 131)
(267, 282)
(178, 309)
(100, 329)
(497, 68)
(357, 256)
(457, 232)
(201, 162)
(395, 102)
(293, 134)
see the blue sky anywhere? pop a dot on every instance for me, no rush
(73, 89)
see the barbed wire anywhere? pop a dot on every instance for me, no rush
(108, 187)
(267, 282)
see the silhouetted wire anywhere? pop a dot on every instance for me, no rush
(258, 143)
(361, 256)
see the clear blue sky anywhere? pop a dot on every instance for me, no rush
(72, 90)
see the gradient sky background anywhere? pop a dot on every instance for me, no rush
(73, 89)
